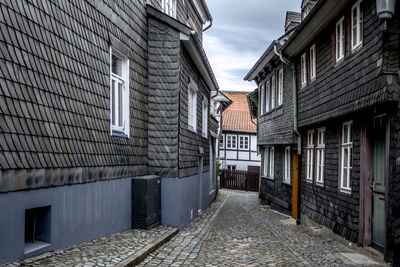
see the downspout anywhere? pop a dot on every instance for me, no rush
(295, 118)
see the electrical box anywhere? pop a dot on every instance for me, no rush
(146, 201)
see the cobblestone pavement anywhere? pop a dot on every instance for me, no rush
(237, 231)
(106, 251)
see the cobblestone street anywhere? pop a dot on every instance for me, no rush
(237, 231)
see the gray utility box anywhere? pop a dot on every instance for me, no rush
(146, 201)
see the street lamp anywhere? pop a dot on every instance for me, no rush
(385, 9)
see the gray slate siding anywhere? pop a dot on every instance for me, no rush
(189, 141)
(324, 204)
(276, 126)
(54, 91)
(394, 188)
(351, 85)
(275, 192)
(163, 97)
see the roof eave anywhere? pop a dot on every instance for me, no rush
(321, 15)
(261, 62)
(198, 55)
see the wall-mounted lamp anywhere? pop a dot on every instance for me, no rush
(385, 9)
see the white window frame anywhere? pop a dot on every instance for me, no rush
(313, 63)
(267, 96)
(280, 87)
(346, 146)
(287, 165)
(262, 99)
(310, 156)
(320, 156)
(169, 7)
(273, 91)
(204, 121)
(356, 26)
(303, 63)
(222, 137)
(339, 40)
(242, 142)
(119, 124)
(192, 106)
(231, 141)
(269, 161)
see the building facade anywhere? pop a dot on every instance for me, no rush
(93, 94)
(238, 140)
(346, 99)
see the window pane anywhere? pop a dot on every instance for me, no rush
(113, 102)
(116, 65)
(120, 119)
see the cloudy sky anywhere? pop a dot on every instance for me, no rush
(241, 32)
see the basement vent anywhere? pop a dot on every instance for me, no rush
(37, 228)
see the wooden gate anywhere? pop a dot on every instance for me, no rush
(240, 180)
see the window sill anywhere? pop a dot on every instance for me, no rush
(267, 178)
(191, 128)
(345, 192)
(271, 111)
(356, 48)
(119, 134)
(309, 181)
(320, 184)
(287, 183)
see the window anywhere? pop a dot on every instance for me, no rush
(231, 141)
(267, 96)
(221, 141)
(37, 228)
(192, 106)
(268, 169)
(356, 26)
(313, 63)
(303, 70)
(273, 92)
(310, 155)
(169, 7)
(243, 142)
(231, 167)
(262, 100)
(286, 176)
(346, 157)
(204, 127)
(339, 40)
(280, 87)
(119, 93)
(320, 155)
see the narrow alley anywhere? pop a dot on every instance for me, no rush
(237, 231)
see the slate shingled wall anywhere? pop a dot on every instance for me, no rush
(54, 93)
(164, 72)
(324, 204)
(275, 192)
(189, 141)
(276, 126)
(351, 85)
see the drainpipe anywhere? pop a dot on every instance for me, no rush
(295, 127)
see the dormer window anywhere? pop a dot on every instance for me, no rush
(169, 7)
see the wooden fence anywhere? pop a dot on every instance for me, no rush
(240, 180)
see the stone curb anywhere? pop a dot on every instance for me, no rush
(141, 254)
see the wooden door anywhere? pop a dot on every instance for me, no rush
(378, 186)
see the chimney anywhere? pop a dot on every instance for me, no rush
(306, 7)
(293, 20)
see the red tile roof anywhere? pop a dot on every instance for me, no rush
(237, 116)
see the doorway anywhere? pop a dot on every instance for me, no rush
(378, 183)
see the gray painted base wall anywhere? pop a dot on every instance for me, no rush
(78, 213)
(180, 198)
